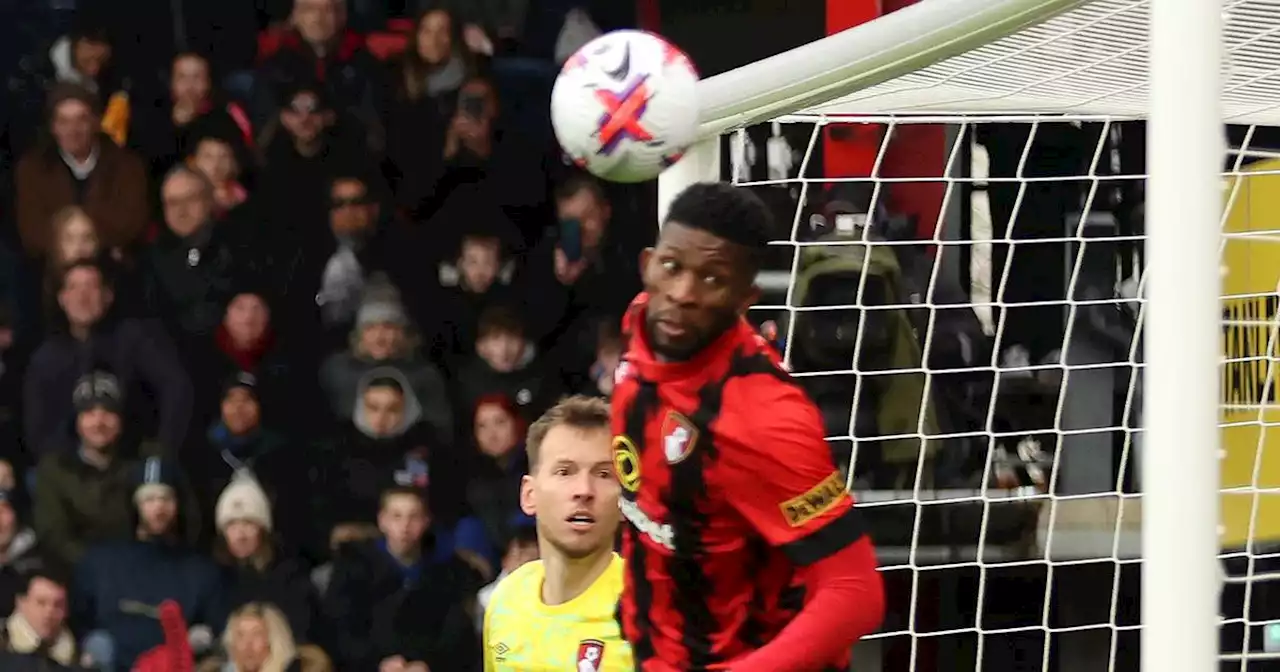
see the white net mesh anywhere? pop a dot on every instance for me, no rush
(1089, 60)
(1006, 505)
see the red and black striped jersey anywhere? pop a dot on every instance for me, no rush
(728, 486)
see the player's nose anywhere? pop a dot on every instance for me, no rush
(682, 289)
(584, 486)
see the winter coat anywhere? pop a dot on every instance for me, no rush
(276, 466)
(189, 281)
(140, 355)
(285, 583)
(352, 472)
(119, 586)
(533, 386)
(77, 505)
(21, 557)
(376, 613)
(115, 196)
(25, 662)
(350, 75)
(341, 373)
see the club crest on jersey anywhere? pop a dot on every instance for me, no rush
(679, 437)
(590, 655)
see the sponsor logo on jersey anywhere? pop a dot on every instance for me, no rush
(661, 533)
(626, 463)
(590, 655)
(679, 436)
(817, 501)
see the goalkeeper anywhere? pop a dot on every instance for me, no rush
(558, 613)
(744, 551)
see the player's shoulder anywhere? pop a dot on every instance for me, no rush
(753, 359)
(760, 399)
(609, 583)
(756, 375)
(520, 586)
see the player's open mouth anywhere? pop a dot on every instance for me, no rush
(671, 329)
(581, 521)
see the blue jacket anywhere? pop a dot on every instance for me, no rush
(119, 586)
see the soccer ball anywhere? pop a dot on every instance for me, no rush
(624, 106)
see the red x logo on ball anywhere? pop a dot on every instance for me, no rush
(622, 115)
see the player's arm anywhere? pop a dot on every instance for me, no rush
(782, 480)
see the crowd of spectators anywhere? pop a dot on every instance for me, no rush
(279, 299)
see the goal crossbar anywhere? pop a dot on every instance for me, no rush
(898, 43)
(995, 57)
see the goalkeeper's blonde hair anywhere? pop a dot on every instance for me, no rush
(579, 412)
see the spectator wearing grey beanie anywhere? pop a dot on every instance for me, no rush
(383, 337)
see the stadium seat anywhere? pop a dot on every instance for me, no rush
(386, 45)
(268, 42)
(400, 25)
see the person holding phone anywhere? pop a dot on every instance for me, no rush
(471, 132)
(584, 213)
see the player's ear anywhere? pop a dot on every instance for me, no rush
(645, 255)
(526, 496)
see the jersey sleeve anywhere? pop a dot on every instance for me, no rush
(778, 472)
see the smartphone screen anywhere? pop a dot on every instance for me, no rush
(472, 106)
(571, 239)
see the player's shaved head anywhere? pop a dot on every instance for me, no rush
(733, 214)
(700, 277)
(584, 414)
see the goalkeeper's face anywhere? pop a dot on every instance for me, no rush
(698, 285)
(573, 492)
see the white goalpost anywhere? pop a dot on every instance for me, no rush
(1128, 444)
(1185, 147)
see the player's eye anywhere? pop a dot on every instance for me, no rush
(670, 265)
(712, 280)
(562, 471)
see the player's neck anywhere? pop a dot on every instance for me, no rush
(564, 578)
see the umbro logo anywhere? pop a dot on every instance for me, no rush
(623, 70)
(500, 650)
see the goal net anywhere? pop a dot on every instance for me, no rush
(969, 313)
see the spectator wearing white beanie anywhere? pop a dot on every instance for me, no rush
(243, 500)
(255, 567)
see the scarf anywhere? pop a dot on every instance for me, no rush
(341, 285)
(447, 78)
(246, 358)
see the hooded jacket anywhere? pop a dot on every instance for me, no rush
(344, 376)
(354, 470)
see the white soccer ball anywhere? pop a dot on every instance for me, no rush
(624, 106)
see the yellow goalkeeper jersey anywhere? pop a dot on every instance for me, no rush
(581, 635)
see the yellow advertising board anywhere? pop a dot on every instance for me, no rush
(1251, 342)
